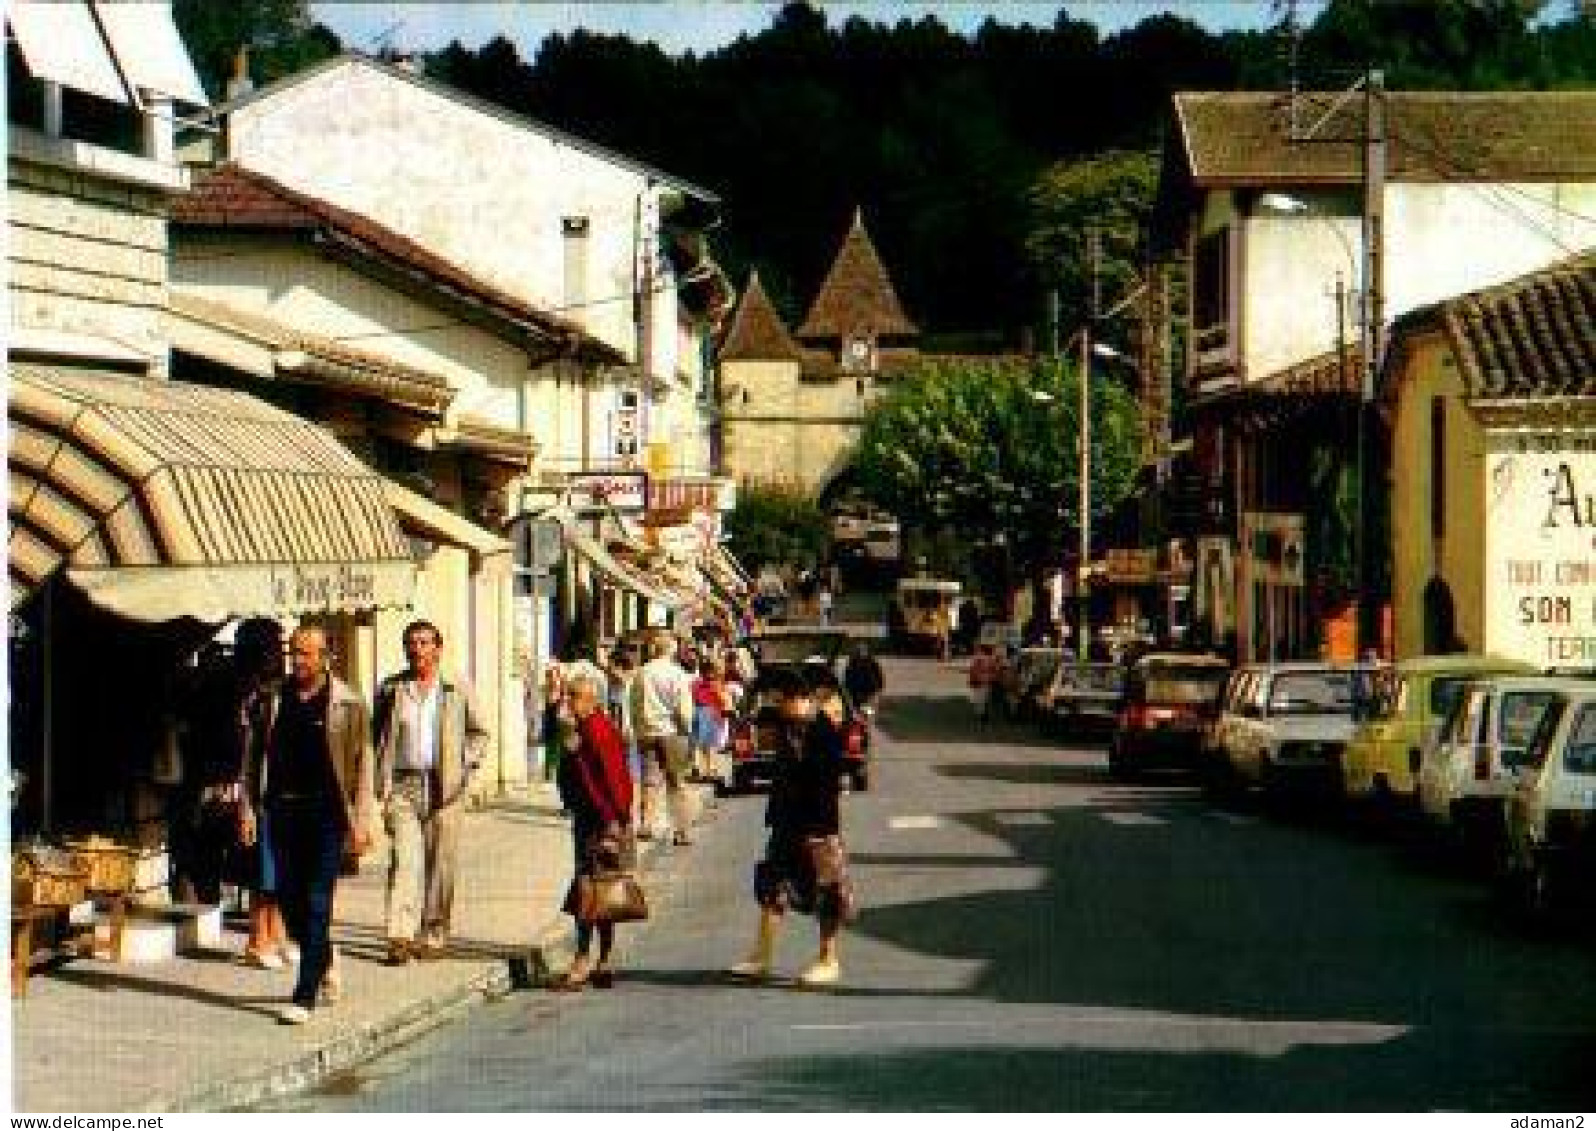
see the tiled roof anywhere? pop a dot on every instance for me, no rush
(327, 361)
(1534, 336)
(757, 332)
(232, 197)
(857, 296)
(1243, 138)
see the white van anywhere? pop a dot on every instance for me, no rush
(1550, 837)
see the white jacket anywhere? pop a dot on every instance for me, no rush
(662, 700)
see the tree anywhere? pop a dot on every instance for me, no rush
(1111, 194)
(281, 35)
(988, 450)
(773, 523)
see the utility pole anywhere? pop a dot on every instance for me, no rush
(1372, 337)
(1084, 433)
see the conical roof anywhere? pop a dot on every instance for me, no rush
(757, 332)
(857, 296)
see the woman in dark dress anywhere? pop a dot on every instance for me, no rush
(805, 866)
(597, 791)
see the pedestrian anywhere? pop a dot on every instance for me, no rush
(984, 671)
(596, 788)
(258, 670)
(942, 629)
(823, 599)
(863, 678)
(309, 768)
(430, 741)
(662, 716)
(713, 704)
(623, 670)
(805, 863)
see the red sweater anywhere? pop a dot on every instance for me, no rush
(601, 784)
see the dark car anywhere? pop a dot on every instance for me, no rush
(1170, 699)
(756, 736)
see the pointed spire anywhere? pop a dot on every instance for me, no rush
(757, 332)
(857, 296)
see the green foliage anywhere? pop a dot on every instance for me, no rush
(776, 524)
(1111, 194)
(974, 447)
(280, 34)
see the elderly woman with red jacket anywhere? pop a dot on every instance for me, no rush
(596, 788)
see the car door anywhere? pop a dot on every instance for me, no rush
(1446, 767)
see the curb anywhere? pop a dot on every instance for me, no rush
(533, 968)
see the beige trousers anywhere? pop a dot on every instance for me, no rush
(421, 864)
(665, 765)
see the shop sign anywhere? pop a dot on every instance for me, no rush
(1273, 544)
(596, 491)
(303, 587)
(1540, 545)
(1131, 567)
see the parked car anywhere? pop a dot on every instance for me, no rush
(1170, 698)
(1285, 725)
(757, 736)
(1549, 843)
(1082, 700)
(927, 606)
(1466, 775)
(1382, 761)
(787, 645)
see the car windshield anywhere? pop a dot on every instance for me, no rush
(1100, 677)
(1312, 693)
(1181, 683)
(1519, 715)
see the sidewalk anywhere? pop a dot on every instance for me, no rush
(200, 1033)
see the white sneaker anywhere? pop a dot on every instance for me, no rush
(290, 953)
(270, 960)
(821, 974)
(293, 1015)
(751, 968)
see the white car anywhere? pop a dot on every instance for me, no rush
(1550, 837)
(1285, 725)
(1466, 775)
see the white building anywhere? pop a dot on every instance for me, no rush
(561, 223)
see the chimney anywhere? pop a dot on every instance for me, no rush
(240, 83)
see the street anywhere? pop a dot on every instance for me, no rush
(1034, 936)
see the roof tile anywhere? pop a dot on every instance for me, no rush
(857, 296)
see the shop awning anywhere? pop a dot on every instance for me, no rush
(61, 43)
(420, 517)
(149, 50)
(611, 568)
(162, 500)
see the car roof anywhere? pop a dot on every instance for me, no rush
(1283, 667)
(1446, 665)
(1518, 682)
(1183, 658)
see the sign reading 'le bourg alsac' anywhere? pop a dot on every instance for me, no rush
(595, 491)
(1540, 580)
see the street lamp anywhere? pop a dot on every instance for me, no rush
(1084, 474)
(1367, 327)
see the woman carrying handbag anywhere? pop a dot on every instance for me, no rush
(597, 790)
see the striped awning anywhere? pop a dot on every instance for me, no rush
(162, 500)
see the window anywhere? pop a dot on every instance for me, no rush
(1311, 693)
(1520, 715)
(1211, 289)
(1553, 717)
(1579, 753)
(1444, 694)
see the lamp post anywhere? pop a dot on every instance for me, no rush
(1083, 451)
(1368, 306)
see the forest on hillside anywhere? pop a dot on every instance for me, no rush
(952, 144)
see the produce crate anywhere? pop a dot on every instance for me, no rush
(111, 867)
(47, 877)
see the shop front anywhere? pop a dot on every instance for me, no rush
(145, 515)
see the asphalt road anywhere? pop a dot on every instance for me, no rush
(1037, 937)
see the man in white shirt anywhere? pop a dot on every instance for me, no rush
(662, 718)
(430, 740)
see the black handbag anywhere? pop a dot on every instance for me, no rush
(610, 897)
